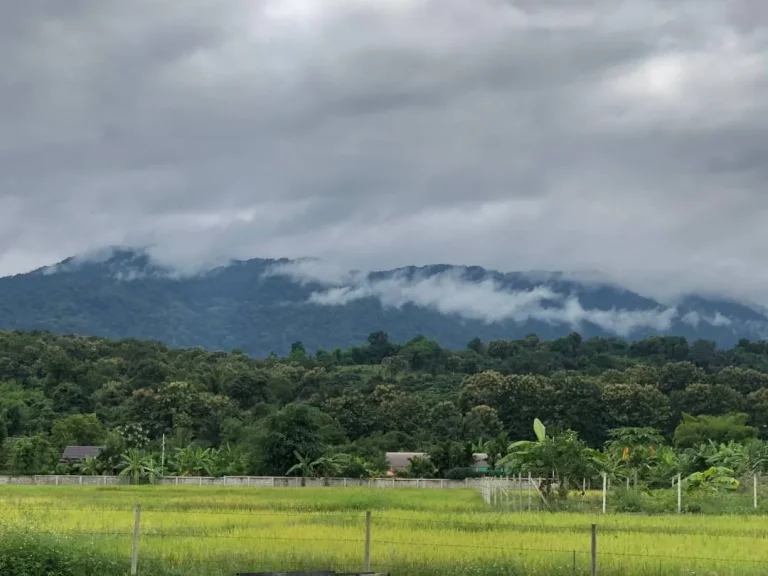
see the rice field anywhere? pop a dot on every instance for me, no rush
(222, 531)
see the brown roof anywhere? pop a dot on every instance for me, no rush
(81, 452)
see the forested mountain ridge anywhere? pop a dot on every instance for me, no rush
(60, 390)
(262, 306)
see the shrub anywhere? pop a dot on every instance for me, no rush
(29, 555)
(462, 473)
(629, 501)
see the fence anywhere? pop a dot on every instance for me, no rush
(161, 538)
(606, 494)
(244, 481)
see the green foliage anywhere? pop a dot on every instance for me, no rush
(30, 455)
(297, 429)
(421, 467)
(228, 413)
(628, 501)
(78, 430)
(32, 555)
(695, 430)
(462, 473)
(712, 479)
(564, 454)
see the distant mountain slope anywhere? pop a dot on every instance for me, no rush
(264, 305)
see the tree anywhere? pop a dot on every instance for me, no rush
(578, 405)
(634, 405)
(757, 407)
(476, 345)
(445, 421)
(331, 465)
(78, 430)
(132, 465)
(700, 398)
(421, 467)
(394, 365)
(633, 449)
(31, 455)
(194, 461)
(90, 466)
(297, 428)
(304, 467)
(494, 449)
(695, 430)
(379, 347)
(564, 454)
(447, 455)
(482, 422)
(678, 376)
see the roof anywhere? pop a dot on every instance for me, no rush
(81, 452)
(400, 460)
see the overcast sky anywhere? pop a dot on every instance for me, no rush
(622, 136)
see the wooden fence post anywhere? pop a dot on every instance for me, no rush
(594, 550)
(135, 547)
(679, 493)
(574, 563)
(367, 559)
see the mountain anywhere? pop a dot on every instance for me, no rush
(262, 306)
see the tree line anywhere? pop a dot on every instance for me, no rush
(337, 412)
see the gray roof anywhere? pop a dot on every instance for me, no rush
(400, 460)
(81, 452)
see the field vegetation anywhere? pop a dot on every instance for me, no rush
(69, 531)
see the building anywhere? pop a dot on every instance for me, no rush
(398, 461)
(76, 454)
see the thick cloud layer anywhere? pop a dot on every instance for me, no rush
(623, 136)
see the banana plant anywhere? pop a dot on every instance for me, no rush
(565, 455)
(714, 479)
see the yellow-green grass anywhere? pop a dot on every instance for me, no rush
(196, 531)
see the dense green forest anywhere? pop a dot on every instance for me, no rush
(227, 413)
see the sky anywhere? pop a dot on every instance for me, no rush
(625, 137)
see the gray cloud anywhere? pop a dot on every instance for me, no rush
(623, 136)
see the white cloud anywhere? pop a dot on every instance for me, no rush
(717, 319)
(487, 300)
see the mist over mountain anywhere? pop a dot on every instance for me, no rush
(263, 306)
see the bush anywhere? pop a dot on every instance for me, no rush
(462, 474)
(629, 501)
(29, 555)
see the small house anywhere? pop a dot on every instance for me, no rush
(77, 454)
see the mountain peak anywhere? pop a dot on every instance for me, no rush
(264, 305)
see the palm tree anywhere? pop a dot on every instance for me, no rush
(90, 466)
(132, 465)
